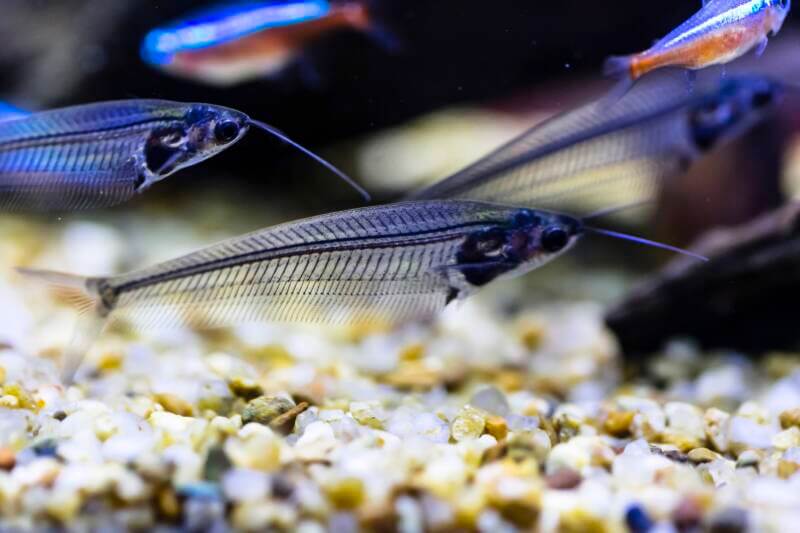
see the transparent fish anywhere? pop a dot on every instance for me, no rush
(720, 32)
(602, 155)
(374, 266)
(238, 42)
(103, 154)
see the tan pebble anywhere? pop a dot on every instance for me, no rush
(779, 365)
(787, 469)
(413, 352)
(285, 422)
(520, 513)
(245, 388)
(531, 334)
(174, 404)
(216, 405)
(414, 375)
(702, 455)
(110, 362)
(618, 423)
(580, 521)
(509, 380)
(563, 479)
(469, 424)
(168, 505)
(682, 442)
(7, 459)
(790, 418)
(497, 427)
(265, 409)
(63, 506)
(347, 493)
(23, 398)
(2, 375)
(274, 355)
(715, 421)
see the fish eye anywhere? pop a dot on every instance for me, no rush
(554, 238)
(226, 131)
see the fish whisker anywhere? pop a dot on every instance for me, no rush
(283, 137)
(646, 242)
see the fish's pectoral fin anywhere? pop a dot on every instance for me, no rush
(465, 278)
(761, 46)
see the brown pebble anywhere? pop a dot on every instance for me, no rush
(7, 459)
(564, 479)
(790, 418)
(285, 422)
(497, 427)
(168, 505)
(687, 515)
(496, 452)
(787, 469)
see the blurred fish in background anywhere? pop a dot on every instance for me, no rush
(8, 111)
(723, 30)
(235, 43)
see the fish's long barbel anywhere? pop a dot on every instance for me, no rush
(598, 155)
(282, 136)
(102, 154)
(373, 266)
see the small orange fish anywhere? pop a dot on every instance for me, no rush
(720, 32)
(241, 42)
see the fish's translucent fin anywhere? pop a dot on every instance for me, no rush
(761, 47)
(70, 288)
(618, 67)
(80, 293)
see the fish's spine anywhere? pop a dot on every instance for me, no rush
(329, 246)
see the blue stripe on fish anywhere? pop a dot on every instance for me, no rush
(226, 23)
(8, 112)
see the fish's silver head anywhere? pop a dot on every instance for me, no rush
(196, 133)
(738, 104)
(528, 240)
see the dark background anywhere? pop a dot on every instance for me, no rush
(61, 52)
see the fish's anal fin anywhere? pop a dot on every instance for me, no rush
(83, 294)
(761, 46)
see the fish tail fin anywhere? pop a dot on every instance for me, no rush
(363, 15)
(78, 291)
(83, 294)
(618, 67)
(621, 69)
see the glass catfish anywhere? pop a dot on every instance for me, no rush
(238, 42)
(602, 155)
(720, 32)
(103, 154)
(373, 266)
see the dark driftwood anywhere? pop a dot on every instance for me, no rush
(747, 297)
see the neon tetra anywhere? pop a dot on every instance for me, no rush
(723, 30)
(234, 44)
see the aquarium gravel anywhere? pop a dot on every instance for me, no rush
(493, 418)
